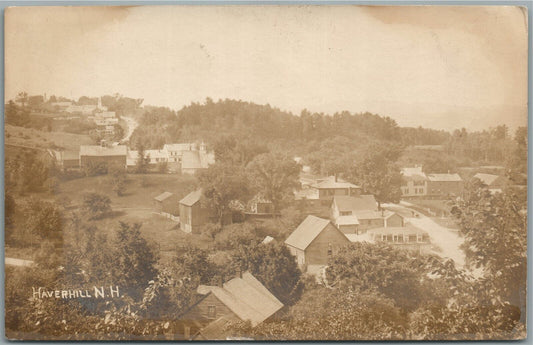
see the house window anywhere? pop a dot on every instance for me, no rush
(345, 213)
(330, 251)
(211, 311)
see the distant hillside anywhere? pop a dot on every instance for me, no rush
(272, 126)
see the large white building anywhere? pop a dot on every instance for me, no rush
(414, 182)
(186, 158)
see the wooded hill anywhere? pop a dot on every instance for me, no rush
(272, 125)
(312, 134)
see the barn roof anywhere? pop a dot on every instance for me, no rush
(163, 196)
(487, 179)
(444, 177)
(97, 150)
(246, 297)
(192, 198)
(356, 203)
(306, 232)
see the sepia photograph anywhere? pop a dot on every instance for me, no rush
(265, 172)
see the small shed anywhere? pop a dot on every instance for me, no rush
(167, 203)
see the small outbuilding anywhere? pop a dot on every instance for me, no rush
(167, 203)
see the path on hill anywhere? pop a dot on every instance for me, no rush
(131, 124)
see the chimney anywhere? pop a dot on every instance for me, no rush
(382, 212)
(220, 281)
(238, 273)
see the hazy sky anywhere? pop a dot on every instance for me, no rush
(439, 67)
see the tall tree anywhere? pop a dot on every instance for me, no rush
(274, 266)
(141, 166)
(221, 184)
(135, 259)
(495, 231)
(118, 179)
(378, 174)
(236, 150)
(274, 176)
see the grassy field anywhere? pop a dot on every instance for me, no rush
(136, 196)
(35, 138)
(136, 205)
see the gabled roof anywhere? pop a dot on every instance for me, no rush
(97, 150)
(331, 183)
(444, 177)
(163, 196)
(487, 179)
(192, 198)
(246, 297)
(415, 174)
(216, 330)
(306, 232)
(356, 203)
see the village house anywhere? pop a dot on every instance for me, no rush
(329, 187)
(404, 237)
(494, 183)
(414, 182)
(445, 185)
(356, 214)
(175, 151)
(184, 158)
(167, 203)
(110, 155)
(242, 298)
(153, 157)
(192, 214)
(317, 191)
(375, 219)
(314, 241)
